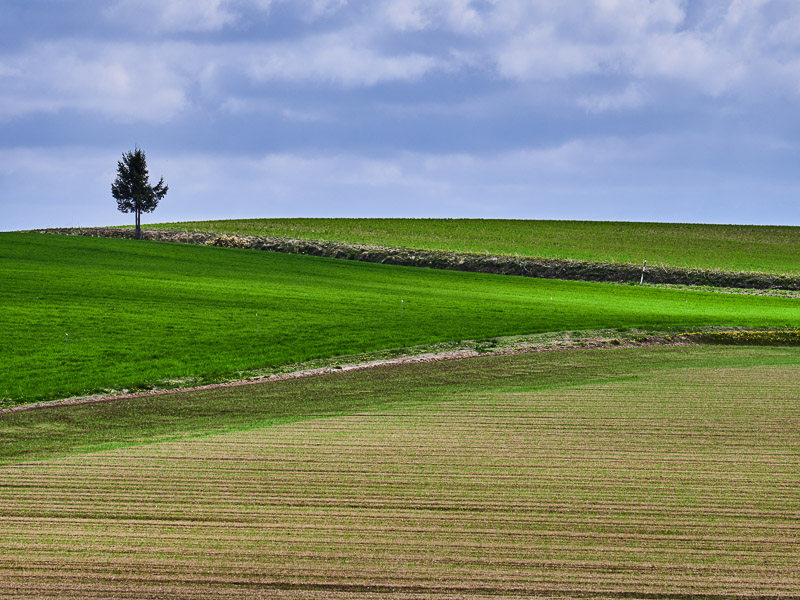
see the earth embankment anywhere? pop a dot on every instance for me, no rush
(461, 261)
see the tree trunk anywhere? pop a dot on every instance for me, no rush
(138, 225)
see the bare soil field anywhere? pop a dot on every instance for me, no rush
(685, 484)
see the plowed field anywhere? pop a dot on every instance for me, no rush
(681, 484)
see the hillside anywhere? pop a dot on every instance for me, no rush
(763, 249)
(81, 315)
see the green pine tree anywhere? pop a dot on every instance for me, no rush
(132, 188)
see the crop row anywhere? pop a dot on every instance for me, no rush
(683, 483)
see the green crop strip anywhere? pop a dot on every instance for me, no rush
(58, 431)
(763, 249)
(80, 315)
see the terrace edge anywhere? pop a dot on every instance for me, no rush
(546, 268)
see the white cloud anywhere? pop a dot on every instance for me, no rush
(737, 48)
(632, 97)
(173, 15)
(634, 16)
(316, 9)
(407, 15)
(547, 41)
(540, 55)
(170, 16)
(242, 106)
(8, 71)
(118, 80)
(132, 82)
(462, 16)
(727, 47)
(710, 68)
(339, 58)
(785, 32)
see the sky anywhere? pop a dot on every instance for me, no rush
(632, 110)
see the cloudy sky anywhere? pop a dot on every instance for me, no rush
(641, 110)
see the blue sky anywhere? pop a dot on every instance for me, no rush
(639, 110)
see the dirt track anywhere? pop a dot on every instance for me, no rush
(356, 366)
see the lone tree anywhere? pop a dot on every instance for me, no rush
(132, 188)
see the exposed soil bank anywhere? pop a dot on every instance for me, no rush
(458, 261)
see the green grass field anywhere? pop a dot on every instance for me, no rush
(617, 473)
(80, 315)
(726, 247)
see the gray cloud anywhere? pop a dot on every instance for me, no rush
(438, 107)
(731, 51)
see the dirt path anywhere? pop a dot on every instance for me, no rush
(427, 357)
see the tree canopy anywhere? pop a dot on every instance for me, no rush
(132, 188)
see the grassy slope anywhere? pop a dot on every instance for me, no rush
(727, 247)
(137, 313)
(60, 431)
(659, 473)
